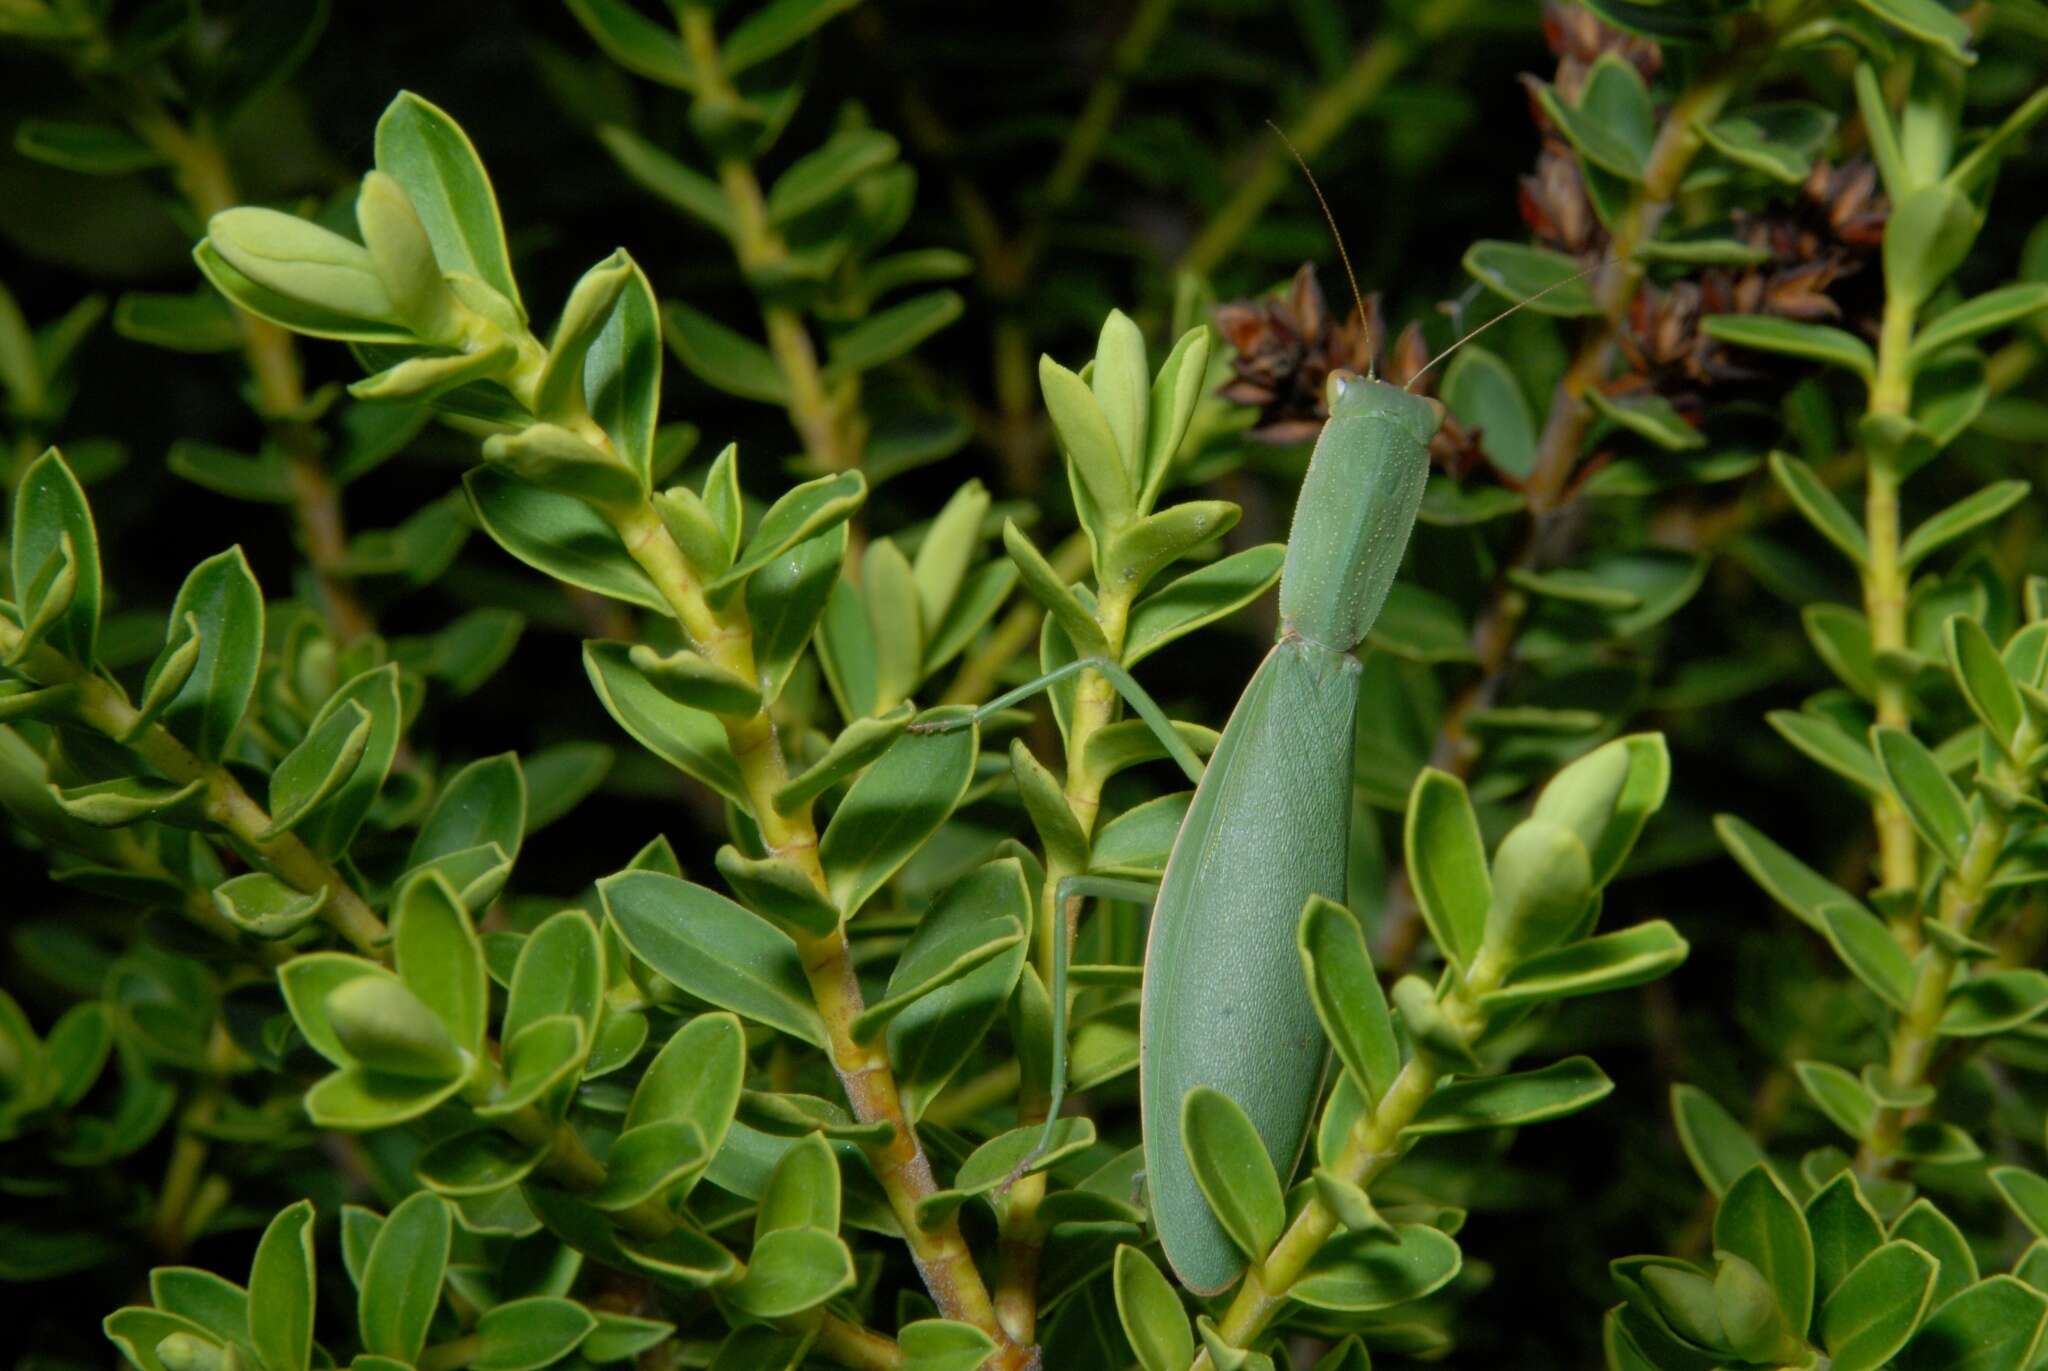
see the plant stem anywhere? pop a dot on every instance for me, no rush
(201, 171)
(101, 707)
(725, 638)
(1884, 597)
(1373, 1145)
(1548, 486)
(1918, 1032)
(832, 436)
(1022, 1235)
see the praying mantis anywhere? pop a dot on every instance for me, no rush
(1223, 1003)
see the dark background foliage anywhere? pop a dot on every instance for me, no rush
(983, 97)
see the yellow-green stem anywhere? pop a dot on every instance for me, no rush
(1884, 598)
(724, 637)
(1022, 1236)
(201, 172)
(1917, 1033)
(101, 707)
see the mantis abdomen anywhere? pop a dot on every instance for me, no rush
(1267, 829)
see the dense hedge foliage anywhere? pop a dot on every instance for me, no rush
(511, 858)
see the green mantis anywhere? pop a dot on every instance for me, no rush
(1224, 1003)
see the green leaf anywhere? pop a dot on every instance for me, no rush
(221, 597)
(1508, 1101)
(524, 1335)
(1924, 791)
(1648, 416)
(1347, 996)
(219, 1306)
(774, 27)
(803, 1190)
(1759, 1223)
(1822, 739)
(785, 601)
(315, 771)
(561, 970)
(1200, 598)
(1048, 589)
(1933, 1231)
(1447, 866)
(943, 1345)
(542, 1059)
(1095, 462)
(1156, 541)
(357, 287)
(265, 478)
(1928, 22)
(1994, 1002)
(426, 152)
(635, 42)
(332, 826)
(94, 149)
(484, 802)
(780, 891)
(137, 1331)
(688, 739)
(1876, 1308)
(818, 176)
(1964, 516)
(645, 1163)
(1358, 1273)
(264, 907)
(1995, 1325)
(723, 359)
(895, 806)
(440, 959)
(401, 1284)
(1779, 138)
(694, 1079)
(695, 683)
(1151, 1314)
(932, 1038)
(657, 172)
(1522, 273)
(200, 322)
(2027, 1192)
(792, 1270)
(622, 373)
(1794, 338)
(714, 949)
(1821, 507)
(281, 1291)
(1868, 949)
(969, 950)
(1720, 1149)
(50, 516)
(479, 1163)
(802, 513)
(1480, 389)
(131, 799)
(1793, 884)
(1991, 310)
(1839, 1095)
(858, 744)
(893, 333)
(1231, 1166)
(1845, 1230)
(559, 535)
(1591, 966)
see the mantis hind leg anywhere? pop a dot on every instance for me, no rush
(1074, 887)
(1126, 685)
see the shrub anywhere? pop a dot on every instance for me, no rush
(776, 990)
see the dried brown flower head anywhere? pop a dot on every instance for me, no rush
(1287, 345)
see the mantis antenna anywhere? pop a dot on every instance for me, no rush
(1359, 299)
